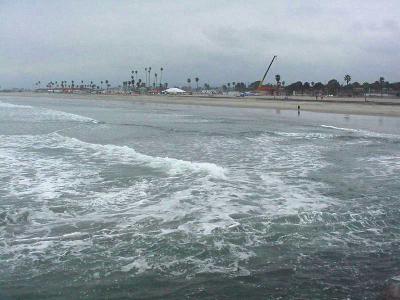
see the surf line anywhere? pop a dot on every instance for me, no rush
(60, 130)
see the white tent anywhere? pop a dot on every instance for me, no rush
(174, 91)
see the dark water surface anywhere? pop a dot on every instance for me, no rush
(147, 201)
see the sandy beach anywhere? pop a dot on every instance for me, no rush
(355, 106)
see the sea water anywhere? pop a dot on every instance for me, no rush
(118, 199)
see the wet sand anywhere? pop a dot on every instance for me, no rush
(354, 106)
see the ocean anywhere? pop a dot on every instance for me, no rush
(116, 199)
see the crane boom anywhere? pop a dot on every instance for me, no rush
(266, 72)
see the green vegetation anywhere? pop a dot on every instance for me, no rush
(153, 84)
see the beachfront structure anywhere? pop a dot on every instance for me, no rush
(174, 91)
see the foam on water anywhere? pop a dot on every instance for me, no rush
(14, 217)
(203, 199)
(140, 265)
(10, 105)
(113, 153)
(381, 166)
(39, 114)
(306, 135)
(362, 132)
(108, 210)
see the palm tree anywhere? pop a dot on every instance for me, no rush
(149, 75)
(161, 70)
(233, 85)
(277, 78)
(107, 85)
(155, 78)
(145, 72)
(278, 81)
(101, 82)
(189, 81)
(381, 82)
(347, 78)
(197, 83)
(229, 86)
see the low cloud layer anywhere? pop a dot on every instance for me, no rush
(217, 41)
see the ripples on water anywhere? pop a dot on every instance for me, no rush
(209, 206)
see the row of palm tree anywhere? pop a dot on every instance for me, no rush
(154, 81)
(136, 82)
(196, 79)
(236, 86)
(63, 84)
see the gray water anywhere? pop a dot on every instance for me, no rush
(113, 199)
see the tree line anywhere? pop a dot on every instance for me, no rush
(332, 87)
(154, 81)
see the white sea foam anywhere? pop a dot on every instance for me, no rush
(55, 114)
(10, 105)
(381, 166)
(306, 135)
(362, 132)
(289, 199)
(126, 154)
(77, 211)
(34, 113)
(114, 154)
(284, 169)
(172, 165)
(140, 265)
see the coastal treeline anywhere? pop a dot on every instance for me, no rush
(332, 87)
(150, 81)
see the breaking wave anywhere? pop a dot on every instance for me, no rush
(38, 114)
(113, 154)
(362, 132)
(10, 105)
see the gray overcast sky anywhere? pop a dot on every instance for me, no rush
(217, 41)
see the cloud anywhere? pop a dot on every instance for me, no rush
(219, 42)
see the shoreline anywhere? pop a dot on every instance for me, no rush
(350, 106)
